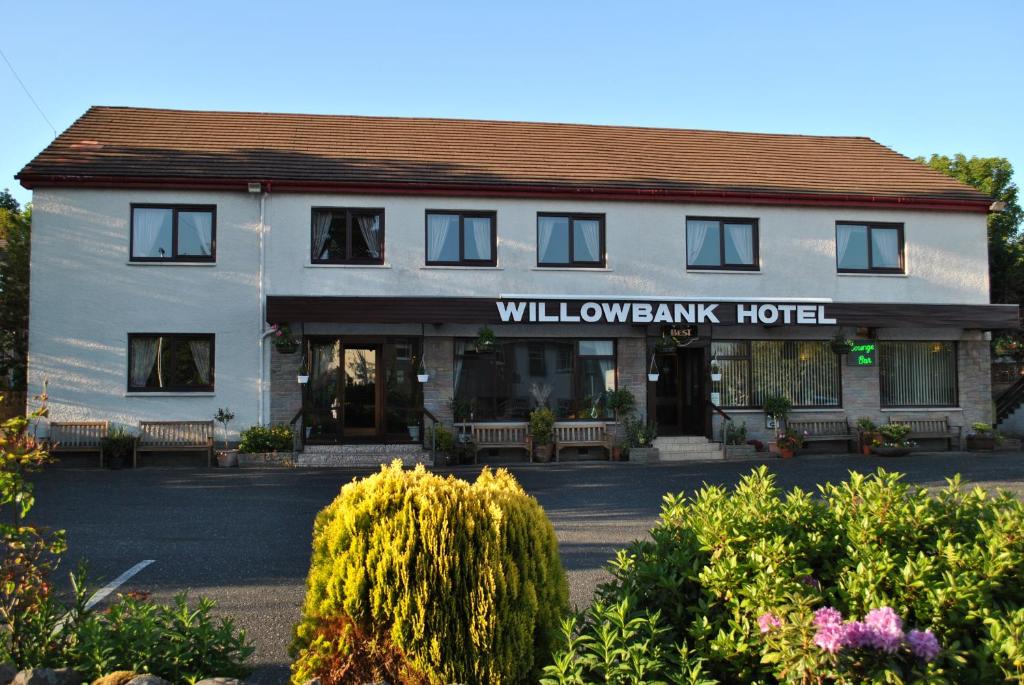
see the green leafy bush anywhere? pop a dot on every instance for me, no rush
(266, 439)
(872, 581)
(417, 578)
(178, 642)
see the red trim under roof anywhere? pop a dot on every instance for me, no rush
(33, 181)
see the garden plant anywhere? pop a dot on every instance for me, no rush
(257, 439)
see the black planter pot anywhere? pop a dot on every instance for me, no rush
(116, 460)
(977, 443)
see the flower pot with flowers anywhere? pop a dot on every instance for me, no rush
(284, 341)
(788, 441)
(542, 432)
(867, 431)
(840, 344)
(891, 440)
(985, 438)
(225, 457)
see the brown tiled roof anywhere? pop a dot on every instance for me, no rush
(126, 146)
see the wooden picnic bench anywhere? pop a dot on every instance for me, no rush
(513, 435)
(582, 434)
(174, 436)
(824, 430)
(931, 428)
(78, 436)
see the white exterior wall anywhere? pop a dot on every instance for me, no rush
(86, 297)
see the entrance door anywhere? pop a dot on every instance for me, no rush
(360, 399)
(343, 399)
(680, 395)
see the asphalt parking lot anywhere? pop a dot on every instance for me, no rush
(242, 536)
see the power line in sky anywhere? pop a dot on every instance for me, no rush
(25, 88)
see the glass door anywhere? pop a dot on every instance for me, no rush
(361, 401)
(322, 404)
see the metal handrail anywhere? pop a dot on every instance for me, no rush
(1011, 398)
(424, 415)
(718, 410)
(298, 437)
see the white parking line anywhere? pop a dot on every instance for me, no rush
(102, 593)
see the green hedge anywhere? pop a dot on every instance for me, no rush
(418, 578)
(870, 580)
(257, 439)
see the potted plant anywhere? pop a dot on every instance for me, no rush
(621, 402)
(542, 430)
(867, 432)
(984, 438)
(421, 372)
(652, 372)
(891, 440)
(485, 339)
(225, 457)
(734, 437)
(640, 436)
(444, 440)
(777, 407)
(117, 447)
(788, 441)
(841, 344)
(412, 424)
(667, 343)
(716, 371)
(284, 341)
(462, 411)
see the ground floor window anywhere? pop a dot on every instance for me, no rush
(917, 374)
(805, 371)
(170, 362)
(572, 377)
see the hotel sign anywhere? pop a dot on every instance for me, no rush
(640, 312)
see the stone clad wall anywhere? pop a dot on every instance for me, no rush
(439, 356)
(285, 391)
(632, 370)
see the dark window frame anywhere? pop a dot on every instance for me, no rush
(956, 378)
(176, 338)
(572, 217)
(869, 225)
(349, 213)
(722, 264)
(749, 359)
(175, 210)
(463, 215)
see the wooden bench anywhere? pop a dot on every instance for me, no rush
(931, 428)
(582, 434)
(174, 436)
(501, 435)
(824, 430)
(78, 436)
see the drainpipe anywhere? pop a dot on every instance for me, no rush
(264, 189)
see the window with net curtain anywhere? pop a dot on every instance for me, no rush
(165, 363)
(466, 238)
(570, 240)
(347, 236)
(805, 371)
(869, 247)
(571, 377)
(721, 243)
(917, 373)
(172, 233)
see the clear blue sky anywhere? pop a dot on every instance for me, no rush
(918, 76)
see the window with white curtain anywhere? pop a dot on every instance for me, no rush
(173, 233)
(917, 373)
(805, 371)
(347, 235)
(570, 240)
(869, 247)
(714, 243)
(461, 238)
(179, 362)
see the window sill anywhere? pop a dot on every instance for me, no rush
(591, 269)
(746, 272)
(460, 267)
(912, 409)
(170, 394)
(845, 274)
(310, 265)
(169, 263)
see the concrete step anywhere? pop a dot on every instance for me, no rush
(342, 456)
(681, 440)
(687, 447)
(708, 454)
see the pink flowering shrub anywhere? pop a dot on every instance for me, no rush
(868, 580)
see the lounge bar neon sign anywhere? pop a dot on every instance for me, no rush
(768, 314)
(862, 353)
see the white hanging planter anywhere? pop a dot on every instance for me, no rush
(423, 377)
(653, 377)
(303, 379)
(715, 377)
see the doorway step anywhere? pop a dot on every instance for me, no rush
(341, 456)
(687, 448)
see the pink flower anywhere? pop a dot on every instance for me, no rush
(827, 616)
(886, 629)
(830, 637)
(279, 333)
(923, 644)
(768, 622)
(856, 635)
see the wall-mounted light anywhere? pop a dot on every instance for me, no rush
(255, 188)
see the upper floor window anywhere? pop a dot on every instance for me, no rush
(575, 240)
(179, 362)
(869, 248)
(347, 236)
(455, 238)
(173, 233)
(721, 244)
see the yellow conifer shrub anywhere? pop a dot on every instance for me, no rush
(416, 578)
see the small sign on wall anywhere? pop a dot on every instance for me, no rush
(862, 353)
(716, 398)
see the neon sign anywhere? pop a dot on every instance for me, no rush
(862, 353)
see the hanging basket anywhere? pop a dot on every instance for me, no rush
(423, 377)
(653, 377)
(715, 376)
(303, 379)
